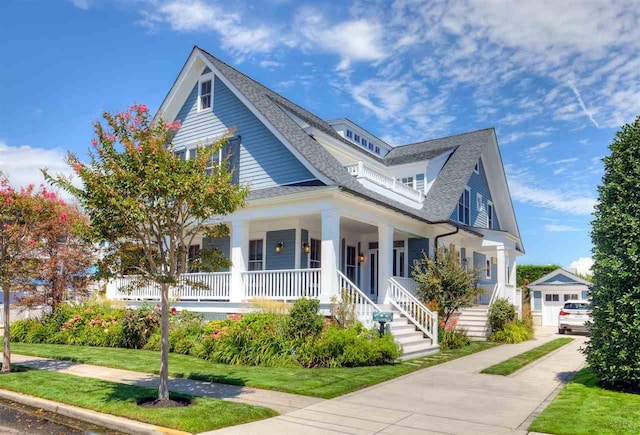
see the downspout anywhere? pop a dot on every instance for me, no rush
(435, 242)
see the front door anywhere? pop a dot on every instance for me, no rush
(373, 274)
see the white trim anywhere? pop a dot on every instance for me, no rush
(576, 278)
(480, 201)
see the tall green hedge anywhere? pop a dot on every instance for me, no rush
(613, 352)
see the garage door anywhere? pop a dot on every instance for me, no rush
(551, 305)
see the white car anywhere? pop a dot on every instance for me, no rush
(574, 316)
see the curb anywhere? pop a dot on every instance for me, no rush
(109, 421)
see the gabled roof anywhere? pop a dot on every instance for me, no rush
(560, 277)
(441, 199)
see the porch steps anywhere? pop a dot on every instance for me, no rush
(475, 320)
(414, 343)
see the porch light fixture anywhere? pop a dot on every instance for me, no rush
(279, 247)
(306, 248)
(361, 257)
(494, 260)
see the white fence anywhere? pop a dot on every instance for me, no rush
(361, 170)
(281, 284)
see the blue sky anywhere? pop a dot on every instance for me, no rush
(555, 78)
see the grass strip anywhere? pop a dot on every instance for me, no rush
(325, 383)
(585, 408)
(203, 414)
(514, 364)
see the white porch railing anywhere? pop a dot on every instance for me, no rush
(192, 286)
(282, 284)
(364, 307)
(423, 318)
(360, 170)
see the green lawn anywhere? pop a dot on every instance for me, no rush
(119, 399)
(517, 362)
(582, 407)
(326, 383)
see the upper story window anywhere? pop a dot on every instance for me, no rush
(408, 181)
(377, 149)
(420, 182)
(349, 134)
(476, 168)
(364, 142)
(490, 217)
(464, 212)
(205, 95)
(356, 137)
(479, 202)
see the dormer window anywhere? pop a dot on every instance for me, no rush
(205, 95)
(356, 138)
(364, 142)
(377, 149)
(349, 134)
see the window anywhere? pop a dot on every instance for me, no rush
(569, 296)
(463, 207)
(194, 250)
(377, 149)
(479, 202)
(370, 146)
(490, 214)
(487, 271)
(552, 298)
(351, 263)
(205, 95)
(314, 255)
(356, 137)
(408, 181)
(193, 153)
(476, 168)
(364, 142)
(255, 254)
(349, 134)
(182, 154)
(420, 182)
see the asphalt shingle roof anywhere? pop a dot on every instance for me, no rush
(441, 198)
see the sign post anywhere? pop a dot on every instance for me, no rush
(382, 317)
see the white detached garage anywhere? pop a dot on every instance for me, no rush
(550, 292)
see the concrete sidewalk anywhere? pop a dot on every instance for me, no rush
(284, 403)
(451, 398)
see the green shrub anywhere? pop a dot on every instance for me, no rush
(501, 312)
(452, 338)
(514, 332)
(304, 319)
(20, 329)
(138, 325)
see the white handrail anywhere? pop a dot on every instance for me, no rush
(494, 294)
(364, 307)
(286, 284)
(414, 310)
(361, 170)
(191, 286)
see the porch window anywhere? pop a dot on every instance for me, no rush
(205, 95)
(489, 214)
(488, 269)
(408, 181)
(194, 250)
(314, 255)
(351, 263)
(464, 206)
(255, 255)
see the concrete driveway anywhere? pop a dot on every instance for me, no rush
(451, 398)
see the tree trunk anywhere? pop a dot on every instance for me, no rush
(6, 349)
(163, 389)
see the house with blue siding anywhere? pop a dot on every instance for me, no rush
(333, 209)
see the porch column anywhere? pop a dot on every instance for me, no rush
(329, 254)
(239, 258)
(501, 276)
(385, 266)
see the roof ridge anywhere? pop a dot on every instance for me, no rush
(445, 137)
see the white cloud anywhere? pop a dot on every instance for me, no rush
(582, 265)
(551, 199)
(560, 228)
(22, 164)
(582, 105)
(82, 4)
(270, 64)
(538, 148)
(564, 161)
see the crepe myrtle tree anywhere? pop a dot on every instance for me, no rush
(444, 284)
(23, 215)
(613, 352)
(141, 198)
